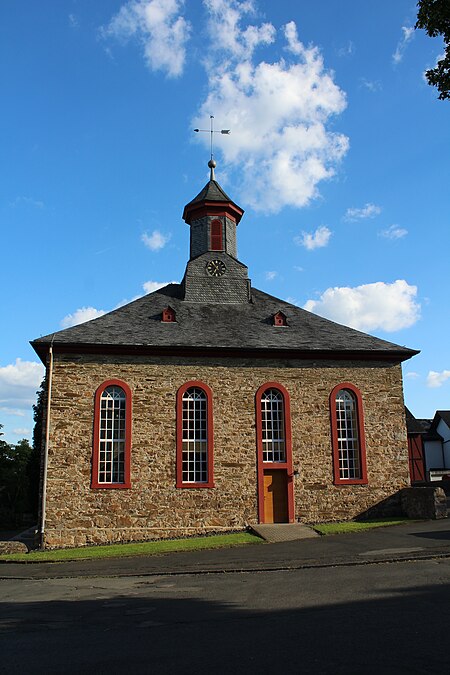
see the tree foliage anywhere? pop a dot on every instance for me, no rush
(20, 470)
(434, 17)
(14, 481)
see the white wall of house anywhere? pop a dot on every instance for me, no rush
(433, 455)
(444, 431)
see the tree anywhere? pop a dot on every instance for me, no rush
(14, 480)
(434, 17)
(34, 465)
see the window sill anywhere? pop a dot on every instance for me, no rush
(351, 481)
(110, 486)
(195, 485)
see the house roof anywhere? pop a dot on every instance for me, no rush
(444, 415)
(414, 425)
(216, 327)
(438, 416)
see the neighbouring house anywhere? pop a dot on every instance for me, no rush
(210, 405)
(429, 446)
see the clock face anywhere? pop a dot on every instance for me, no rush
(216, 268)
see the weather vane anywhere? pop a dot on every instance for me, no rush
(211, 131)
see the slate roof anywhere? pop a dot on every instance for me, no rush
(413, 425)
(216, 326)
(212, 192)
(438, 416)
(444, 415)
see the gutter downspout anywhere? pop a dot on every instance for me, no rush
(47, 439)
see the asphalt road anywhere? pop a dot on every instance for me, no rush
(376, 618)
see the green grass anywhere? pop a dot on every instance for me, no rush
(141, 548)
(356, 526)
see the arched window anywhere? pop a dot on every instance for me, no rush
(112, 436)
(216, 236)
(348, 440)
(194, 436)
(272, 426)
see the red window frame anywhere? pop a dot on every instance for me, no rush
(210, 436)
(96, 444)
(337, 480)
(287, 465)
(216, 235)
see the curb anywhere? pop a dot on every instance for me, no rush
(435, 555)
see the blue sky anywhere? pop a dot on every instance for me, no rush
(338, 153)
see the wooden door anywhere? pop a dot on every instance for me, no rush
(275, 496)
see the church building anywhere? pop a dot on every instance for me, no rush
(209, 405)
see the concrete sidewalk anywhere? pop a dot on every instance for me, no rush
(412, 541)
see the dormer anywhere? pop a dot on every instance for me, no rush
(279, 319)
(168, 315)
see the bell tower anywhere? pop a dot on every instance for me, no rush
(214, 273)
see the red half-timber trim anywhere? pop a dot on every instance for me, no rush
(282, 466)
(209, 431)
(96, 445)
(337, 480)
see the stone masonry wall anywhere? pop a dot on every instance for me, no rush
(154, 507)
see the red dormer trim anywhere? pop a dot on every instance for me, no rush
(168, 315)
(279, 319)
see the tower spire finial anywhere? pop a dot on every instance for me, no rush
(212, 162)
(212, 165)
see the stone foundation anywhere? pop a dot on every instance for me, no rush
(424, 502)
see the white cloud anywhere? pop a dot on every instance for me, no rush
(73, 21)
(371, 85)
(225, 32)
(151, 286)
(347, 50)
(412, 375)
(28, 201)
(367, 211)
(19, 382)
(317, 239)
(297, 268)
(435, 379)
(156, 240)
(277, 111)
(15, 412)
(380, 305)
(407, 35)
(394, 232)
(81, 315)
(21, 431)
(159, 27)
(270, 276)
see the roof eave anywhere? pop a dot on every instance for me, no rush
(391, 356)
(198, 209)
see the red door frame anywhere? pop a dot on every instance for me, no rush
(281, 466)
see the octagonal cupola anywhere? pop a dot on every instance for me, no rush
(214, 273)
(213, 218)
